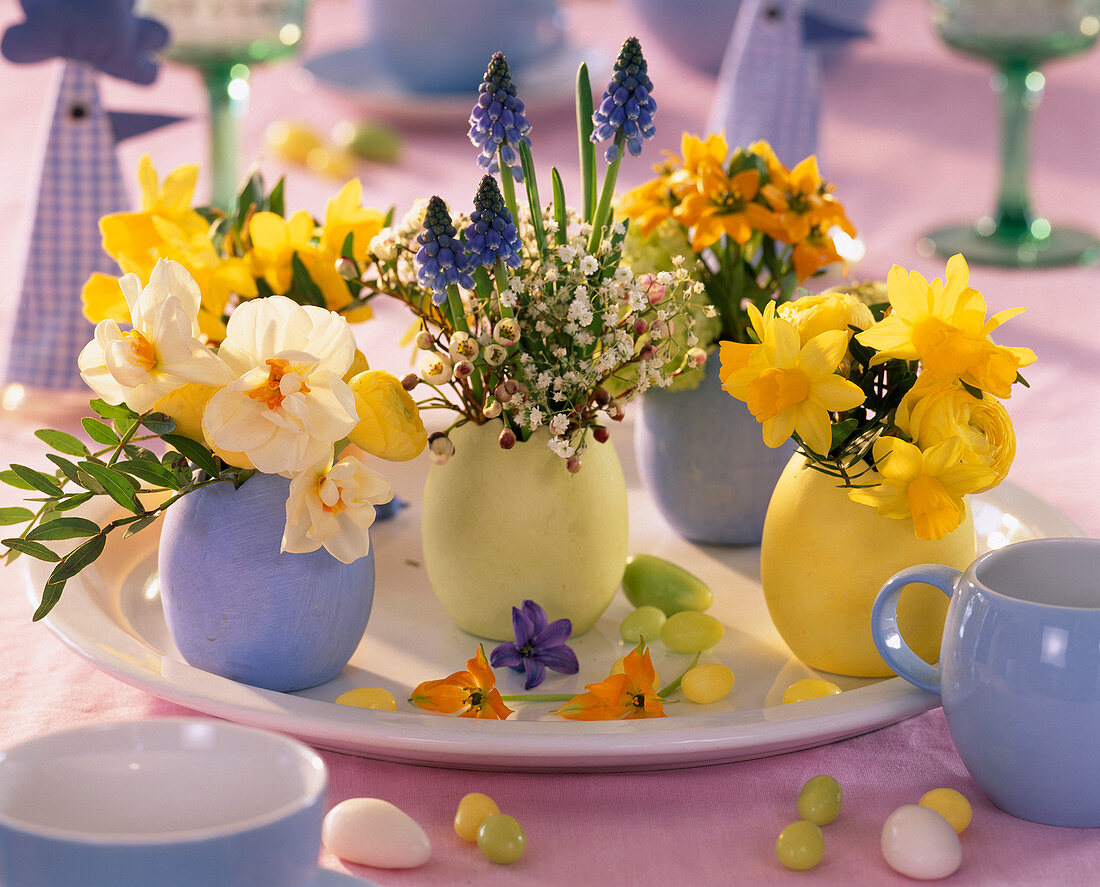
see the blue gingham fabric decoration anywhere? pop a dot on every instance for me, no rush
(768, 86)
(79, 181)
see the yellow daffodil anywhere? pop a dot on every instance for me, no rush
(927, 485)
(789, 387)
(813, 315)
(103, 299)
(343, 216)
(333, 506)
(473, 690)
(389, 421)
(944, 327)
(288, 403)
(934, 412)
(624, 695)
(161, 353)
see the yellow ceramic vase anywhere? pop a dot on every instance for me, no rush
(823, 559)
(500, 526)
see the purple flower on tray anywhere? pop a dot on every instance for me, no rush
(539, 645)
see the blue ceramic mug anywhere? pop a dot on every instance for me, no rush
(169, 802)
(1019, 672)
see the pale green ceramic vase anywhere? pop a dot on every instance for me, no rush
(502, 526)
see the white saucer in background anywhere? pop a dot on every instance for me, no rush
(358, 75)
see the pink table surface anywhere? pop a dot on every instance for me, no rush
(908, 135)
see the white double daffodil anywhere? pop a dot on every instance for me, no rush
(333, 506)
(287, 403)
(162, 352)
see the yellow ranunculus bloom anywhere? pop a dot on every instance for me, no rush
(789, 387)
(813, 315)
(944, 326)
(932, 413)
(389, 420)
(927, 485)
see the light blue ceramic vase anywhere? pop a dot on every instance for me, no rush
(704, 462)
(237, 607)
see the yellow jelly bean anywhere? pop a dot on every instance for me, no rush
(473, 810)
(645, 622)
(371, 141)
(368, 697)
(291, 141)
(691, 632)
(708, 683)
(809, 688)
(800, 845)
(951, 805)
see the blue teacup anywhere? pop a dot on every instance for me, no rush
(1019, 672)
(172, 802)
(444, 46)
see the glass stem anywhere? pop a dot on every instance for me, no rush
(225, 112)
(1021, 88)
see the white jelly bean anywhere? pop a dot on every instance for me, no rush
(921, 844)
(370, 831)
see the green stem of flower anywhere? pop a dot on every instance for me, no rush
(603, 208)
(508, 190)
(665, 692)
(500, 279)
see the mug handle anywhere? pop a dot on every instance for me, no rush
(884, 623)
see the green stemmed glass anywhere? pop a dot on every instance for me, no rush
(223, 39)
(1018, 36)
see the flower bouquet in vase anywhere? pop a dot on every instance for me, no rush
(896, 412)
(533, 335)
(233, 399)
(750, 230)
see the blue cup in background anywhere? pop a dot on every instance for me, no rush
(1019, 672)
(444, 46)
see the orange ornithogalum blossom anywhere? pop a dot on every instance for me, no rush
(473, 690)
(623, 696)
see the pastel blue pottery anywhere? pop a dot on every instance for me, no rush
(1019, 673)
(700, 454)
(438, 46)
(168, 802)
(237, 607)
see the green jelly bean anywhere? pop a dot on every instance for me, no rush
(820, 800)
(645, 622)
(691, 632)
(501, 839)
(800, 845)
(653, 581)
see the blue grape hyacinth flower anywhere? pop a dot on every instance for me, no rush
(627, 104)
(497, 122)
(441, 259)
(539, 645)
(491, 234)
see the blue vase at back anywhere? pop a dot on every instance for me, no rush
(701, 456)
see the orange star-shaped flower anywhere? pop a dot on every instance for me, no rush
(627, 695)
(473, 689)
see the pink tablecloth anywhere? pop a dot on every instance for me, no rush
(909, 138)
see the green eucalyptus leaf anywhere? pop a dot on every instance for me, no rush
(125, 425)
(117, 485)
(71, 502)
(159, 423)
(66, 467)
(195, 452)
(14, 480)
(38, 480)
(62, 442)
(110, 410)
(63, 528)
(80, 557)
(303, 287)
(99, 432)
(151, 472)
(276, 202)
(33, 549)
(15, 515)
(138, 525)
(51, 594)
